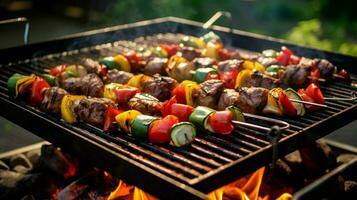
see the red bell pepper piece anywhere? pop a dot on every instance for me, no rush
(284, 57)
(285, 103)
(134, 59)
(159, 131)
(171, 49)
(229, 78)
(294, 60)
(225, 54)
(179, 92)
(38, 87)
(315, 75)
(344, 75)
(166, 107)
(221, 122)
(315, 93)
(110, 117)
(57, 70)
(124, 94)
(307, 98)
(103, 71)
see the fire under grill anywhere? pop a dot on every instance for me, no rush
(212, 160)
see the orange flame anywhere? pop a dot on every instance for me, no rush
(241, 189)
(122, 190)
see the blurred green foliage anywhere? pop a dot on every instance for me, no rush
(325, 24)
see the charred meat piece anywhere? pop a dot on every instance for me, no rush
(189, 53)
(116, 76)
(146, 104)
(91, 65)
(52, 99)
(229, 65)
(228, 97)
(296, 76)
(252, 99)
(155, 66)
(258, 79)
(88, 85)
(203, 62)
(159, 87)
(92, 110)
(209, 93)
(326, 68)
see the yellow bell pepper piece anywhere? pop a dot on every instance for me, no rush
(199, 42)
(123, 62)
(272, 106)
(191, 88)
(137, 80)
(23, 84)
(67, 111)
(125, 119)
(211, 50)
(247, 64)
(242, 78)
(109, 90)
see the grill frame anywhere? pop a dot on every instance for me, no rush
(96, 145)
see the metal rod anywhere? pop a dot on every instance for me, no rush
(340, 99)
(282, 124)
(249, 125)
(309, 103)
(19, 20)
(216, 16)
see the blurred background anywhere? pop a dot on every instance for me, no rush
(325, 24)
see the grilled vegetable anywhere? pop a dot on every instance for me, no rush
(50, 79)
(253, 66)
(110, 115)
(179, 93)
(272, 105)
(190, 88)
(299, 107)
(200, 115)
(221, 122)
(160, 52)
(57, 70)
(315, 93)
(159, 131)
(270, 53)
(119, 62)
(183, 134)
(286, 105)
(192, 42)
(237, 114)
(242, 77)
(38, 87)
(67, 112)
(74, 71)
(140, 125)
(109, 90)
(307, 98)
(229, 78)
(202, 74)
(134, 60)
(19, 84)
(126, 118)
(171, 49)
(211, 36)
(212, 50)
(138, 80)
(179, 68)
(181, 111)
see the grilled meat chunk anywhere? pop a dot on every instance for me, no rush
(116, 76)
(52, 99)
(252, 99)
(159, 87)
(209, 93)
(228, 97)
(258, 79)
(155, 66)
(326, 68)
(88, 85)
(91, 65)
(92, 110)
(203, 62)
(189, 53)
(296, 76)
(229, 65)
(146, 104)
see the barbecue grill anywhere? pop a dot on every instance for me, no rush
(167, 172)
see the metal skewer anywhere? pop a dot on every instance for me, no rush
(282, 124)
(309, 103)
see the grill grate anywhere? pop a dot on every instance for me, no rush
(209, 154)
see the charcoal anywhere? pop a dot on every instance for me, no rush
(9, 178)
(33, 156)
(20, 159)
(3, 166)
(76, 188)
(52, 158)
(28, 197)
(345, 158)
(21, 169)
(350, 186)
(317, 158)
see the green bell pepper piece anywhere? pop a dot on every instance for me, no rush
(199, 115)
(141, 124)
(202, 73)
